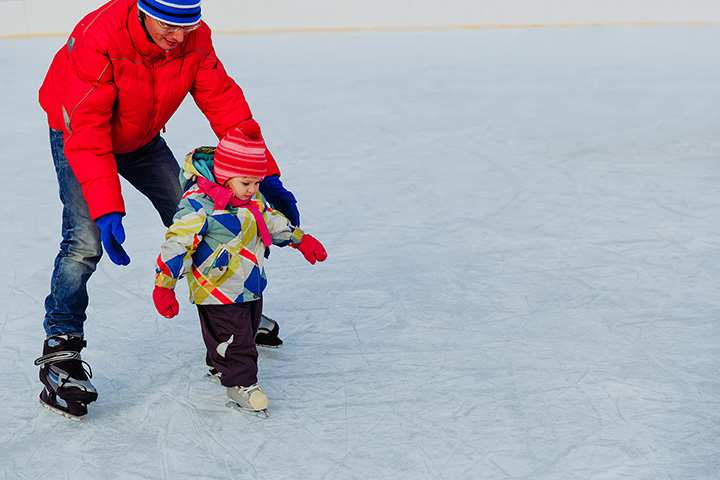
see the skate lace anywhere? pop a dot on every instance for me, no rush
(63, 356)
(249, 390)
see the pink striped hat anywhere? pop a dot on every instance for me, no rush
(238, 156)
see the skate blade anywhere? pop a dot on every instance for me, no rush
(61, 412)
(271, 347)
(258, 413)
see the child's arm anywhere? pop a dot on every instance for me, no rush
(181, 241)
(284, 233)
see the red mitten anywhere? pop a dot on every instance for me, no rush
(165, 302)
(251, 129)
(312, 249)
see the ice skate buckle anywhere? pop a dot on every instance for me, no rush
(62, 356)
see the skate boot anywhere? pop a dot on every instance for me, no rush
(267, 334)
(249, 399)
(67, 384)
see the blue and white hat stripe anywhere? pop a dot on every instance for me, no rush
(174, 12)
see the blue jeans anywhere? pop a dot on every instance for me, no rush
(151, 169)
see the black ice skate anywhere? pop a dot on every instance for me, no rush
(67, 384)
(267, 334)
(213, 374)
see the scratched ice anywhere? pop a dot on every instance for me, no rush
(524, 239)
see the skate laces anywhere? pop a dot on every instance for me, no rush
(248, 391)
(252, 388)
(62, 356)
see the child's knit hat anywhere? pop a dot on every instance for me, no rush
(238, 156)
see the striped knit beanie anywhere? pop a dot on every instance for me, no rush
(238, 156)
(174, 12)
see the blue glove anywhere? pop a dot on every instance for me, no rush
(280, 198)
(112, 235)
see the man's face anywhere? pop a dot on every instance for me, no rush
(167, 36)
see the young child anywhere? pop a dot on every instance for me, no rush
(219, 238)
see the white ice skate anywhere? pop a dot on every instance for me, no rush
(250, 399)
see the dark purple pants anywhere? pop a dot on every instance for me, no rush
(229, 335)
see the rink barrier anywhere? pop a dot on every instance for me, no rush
(424, 28)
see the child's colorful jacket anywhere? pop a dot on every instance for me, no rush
(218, 246)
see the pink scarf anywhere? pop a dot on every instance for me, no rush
(222, 197)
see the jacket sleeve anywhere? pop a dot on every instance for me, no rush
(88, 95)
(222, 100)
(181, 241)
(281, 230)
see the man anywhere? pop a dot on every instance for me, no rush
(109, 91)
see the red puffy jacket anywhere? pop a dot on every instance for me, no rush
(111, 90)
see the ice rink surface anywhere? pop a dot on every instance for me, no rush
(523, 282)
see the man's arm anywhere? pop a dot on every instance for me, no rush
(87, 107)
(223, 102)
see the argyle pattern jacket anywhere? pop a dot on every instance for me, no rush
(219, 251)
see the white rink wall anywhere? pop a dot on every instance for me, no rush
(31, 17)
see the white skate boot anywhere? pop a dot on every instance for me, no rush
(248, 399)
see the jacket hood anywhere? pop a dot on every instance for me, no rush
(198, 163)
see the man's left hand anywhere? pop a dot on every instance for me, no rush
(251, 129)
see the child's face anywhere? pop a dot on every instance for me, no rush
(244, 187)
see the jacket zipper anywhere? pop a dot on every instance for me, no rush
(152, 104)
